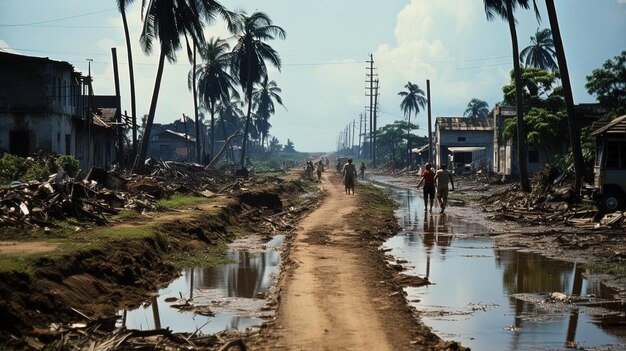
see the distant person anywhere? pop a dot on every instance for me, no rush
(443, 177)
(338, 166)
(362, 168)
(309, 170)
(349, 173)
(428, 178)
(319, 169)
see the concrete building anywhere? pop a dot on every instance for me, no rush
(465, 144)
(169, 145)
(44, 107)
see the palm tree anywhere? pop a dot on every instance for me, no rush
(505, 9)
(263, 96)
(477, 108)
(577, 155)
(250, 54)
(121, 5)
(214, 83)
(167, 21)
(412, 99)
(540, 53)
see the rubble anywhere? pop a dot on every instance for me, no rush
(101, 193)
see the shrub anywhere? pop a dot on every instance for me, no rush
(37, 171)
(69, 164)
(12, 168)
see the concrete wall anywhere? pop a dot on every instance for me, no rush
(479, 138)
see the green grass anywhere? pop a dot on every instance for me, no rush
(16, 263)
(128, 214)
(616, 268)
(210, 257)
(123, 232)
(464, 197)
(180, 200)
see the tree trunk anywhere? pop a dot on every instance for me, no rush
(195, 107)
(521, 130)
(133, 106)
(138, 165)
(574, 137)
(408, 142)
(242, 161)
(212, 147)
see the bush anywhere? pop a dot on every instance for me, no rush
(69, 164)
(37, 171)
(12, 168)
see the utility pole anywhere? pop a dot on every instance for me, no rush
(89, 115)
(120, 135)
(353, 129)
(375, 143)
(358, 148)
(370, 80)
(430, 131)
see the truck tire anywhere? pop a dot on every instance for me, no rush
(612, 202)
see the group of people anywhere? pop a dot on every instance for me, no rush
(436, 180)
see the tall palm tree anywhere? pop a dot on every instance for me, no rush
(250, 54)
(214, 82)
(577, 155)
(263, 98)
(412, 99)
(477, 108)
(540, 53)
(505, 9)
(121, 5)
(167, 21)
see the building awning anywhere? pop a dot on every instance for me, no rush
(454, 149)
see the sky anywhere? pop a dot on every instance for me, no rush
(323, 73)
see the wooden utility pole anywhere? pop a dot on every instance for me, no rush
(353, 130)
(375, 143)
(370, 80)
(430, 125)
(120, 134)
(358, 148)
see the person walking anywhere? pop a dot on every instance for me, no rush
(349, 173)
(442, 177)
(319, 169)
(362, 168)
(428, 178)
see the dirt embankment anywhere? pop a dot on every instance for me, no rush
(99, 282)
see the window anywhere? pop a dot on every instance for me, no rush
(68, 144)
(460, 139)
(533, 156)
(616, 154)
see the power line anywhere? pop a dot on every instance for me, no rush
(57, 19)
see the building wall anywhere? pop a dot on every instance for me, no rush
(451, 138)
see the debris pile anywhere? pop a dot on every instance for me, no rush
(101, 193)
(551, 200)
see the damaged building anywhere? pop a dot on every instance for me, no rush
(45, 106)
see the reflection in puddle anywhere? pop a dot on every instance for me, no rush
(231, 296)
(493, 299)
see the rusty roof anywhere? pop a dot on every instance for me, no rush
(617, 125)
(464, 123)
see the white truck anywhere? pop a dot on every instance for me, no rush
(609, 187)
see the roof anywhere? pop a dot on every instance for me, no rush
(454, 149)
(11, 58)
(464, 123)
(180, 135)
(617, 125)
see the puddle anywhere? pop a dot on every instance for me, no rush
(493, 299)
(231, 296)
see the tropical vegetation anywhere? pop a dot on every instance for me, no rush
(412, 99)
(477, 108)
(540, 53)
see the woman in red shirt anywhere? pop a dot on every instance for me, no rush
(428, 178)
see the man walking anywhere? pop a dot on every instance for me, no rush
(442, 177)
(428, 178)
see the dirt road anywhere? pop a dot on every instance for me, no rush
(332, 297)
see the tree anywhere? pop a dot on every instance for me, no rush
(250, 54)
(230, 118)
(540, 53)
(579, 166)
(263, 98)
(539, 90)
(412, 99)
(275, 145)
(392, 137)
(121, 5)
(167, 21)
(477, 108)
(608, 84)
(214, 83)
(289, 147)
(505, 9)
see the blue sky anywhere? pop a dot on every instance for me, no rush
(323, 75)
